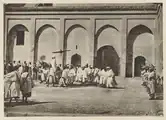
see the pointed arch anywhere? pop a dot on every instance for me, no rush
(103, 28)
(76, 59)
(99, 31)
(39, 32)
(134, 32)
(19, 27)
(42, 28)
(72, 28)
(137, 30)
(69, 30)
(12, 35)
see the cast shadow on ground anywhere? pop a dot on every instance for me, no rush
(20, 103)
(91, 85)
(78, 85)
(159, 97)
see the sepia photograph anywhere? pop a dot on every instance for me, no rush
(87, 59)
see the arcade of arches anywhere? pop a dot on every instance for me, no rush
(124, 44)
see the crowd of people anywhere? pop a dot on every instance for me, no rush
(20, 77)
(151, 81)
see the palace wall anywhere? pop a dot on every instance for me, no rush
(79, 34)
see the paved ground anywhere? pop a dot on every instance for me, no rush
(129, 99)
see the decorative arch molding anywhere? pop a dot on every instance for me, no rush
(72, 28)
(137, 30)
(38, 33)
(18, 27)
(103, 28)
(147, 28)
(42, 28)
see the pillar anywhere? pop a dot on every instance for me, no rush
(62, 41)
(6, 39)
(32, 40)
(123, 47)
(157, 42)
(156, 47)
(133, 66)
(92, 39)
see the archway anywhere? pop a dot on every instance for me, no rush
(46, 42)
(107, 35)
(16, 41)
(76, 40)
(107, 56)
(139, 42)
(76, 60)
(139, 62)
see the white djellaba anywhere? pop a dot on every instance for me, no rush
(110, 82)
(53, 63)
(12, 85)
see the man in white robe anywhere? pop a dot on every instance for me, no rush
(96, 76)
(79, 74)
(53, 63)
(71, 75)
(12, 85)
(110, 81)
(87, 72)
(51, 76)
(84, 75)
(64, 79)
(102, 77)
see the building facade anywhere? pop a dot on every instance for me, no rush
(122, 36)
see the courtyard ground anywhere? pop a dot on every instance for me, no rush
(129, 99)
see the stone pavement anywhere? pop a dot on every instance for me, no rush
(129, 99)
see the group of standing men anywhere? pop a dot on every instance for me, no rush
(18, 79)
(151, 81)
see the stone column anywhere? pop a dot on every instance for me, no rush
(91, 41)
(133, 66)
(62, 41)
(5, 39)
(155, 41)
(157, 45)
(32, 33)
(123, 47)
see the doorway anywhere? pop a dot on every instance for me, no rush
(76, 60)
(107, 56)
(139, 62)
